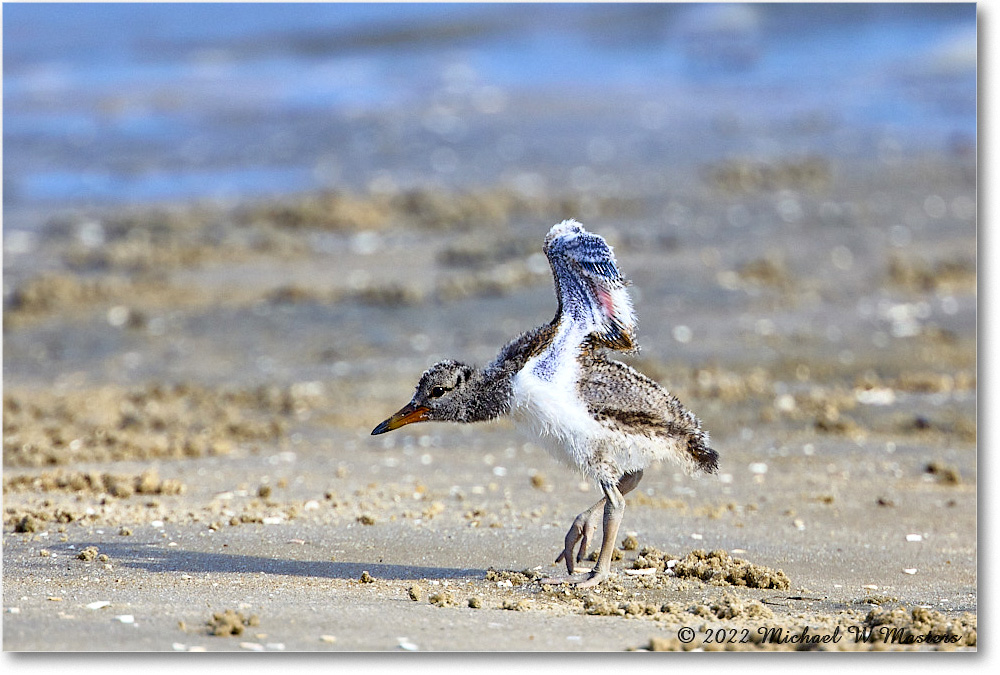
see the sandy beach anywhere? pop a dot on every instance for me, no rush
(231, 249)
(186, 426)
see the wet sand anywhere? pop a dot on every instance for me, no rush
(189, 392)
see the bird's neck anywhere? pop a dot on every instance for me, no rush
(488, 395)
(491, 389)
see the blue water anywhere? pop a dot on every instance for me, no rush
(120, 103)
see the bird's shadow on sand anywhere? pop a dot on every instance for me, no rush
(158, 559)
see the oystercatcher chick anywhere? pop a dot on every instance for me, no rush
(599, 415)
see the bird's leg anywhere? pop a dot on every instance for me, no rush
(580, 531)
(585, 524)
(583, 528)
(614, 509)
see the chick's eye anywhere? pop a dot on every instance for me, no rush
(437, 392)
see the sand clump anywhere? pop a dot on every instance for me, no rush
(28, 524)
(725, 607)
(630, 543)
(230, 623)
(731, 606)
(92, 482)
(513, 578)
(716, 567)
(443, 599)
(35, 519)
(516, 605)
(650, 557)
(597, 605)
(88, 554)
(719, 568)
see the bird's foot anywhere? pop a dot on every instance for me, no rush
(580, 532)
(588, 579)
(572, 579)
(575, 575)
(593, 579)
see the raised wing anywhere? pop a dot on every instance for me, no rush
(591, 290)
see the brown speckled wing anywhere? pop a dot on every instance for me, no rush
(629, 402)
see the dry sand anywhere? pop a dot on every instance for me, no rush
(187, 408)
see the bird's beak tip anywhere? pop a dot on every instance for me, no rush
(407, 415)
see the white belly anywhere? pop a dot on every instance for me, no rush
(545, 397)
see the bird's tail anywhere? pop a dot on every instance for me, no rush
(706, 459)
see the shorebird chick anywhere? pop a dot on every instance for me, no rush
(599, 415)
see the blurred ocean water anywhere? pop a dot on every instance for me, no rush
(130, 103)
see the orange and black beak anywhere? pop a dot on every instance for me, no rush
(407, 415)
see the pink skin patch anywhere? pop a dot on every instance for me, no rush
(607, 304)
